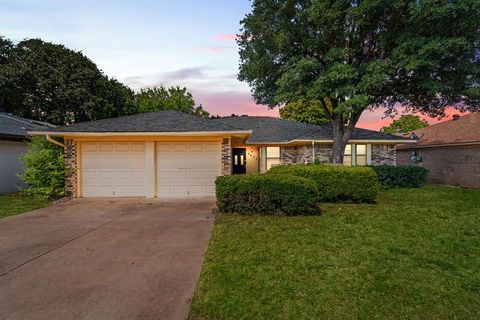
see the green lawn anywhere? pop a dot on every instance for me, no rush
(11, 204)
(414, 255)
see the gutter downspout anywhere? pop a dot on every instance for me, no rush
(54, 141)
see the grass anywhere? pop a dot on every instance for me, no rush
(414, 255)
(15, 203)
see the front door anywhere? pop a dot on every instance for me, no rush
(239, 160)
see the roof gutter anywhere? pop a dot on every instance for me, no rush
(90, 134)
(58, 143)
(331, 141)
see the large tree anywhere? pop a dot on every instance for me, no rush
(48, 82)
(405, 124)
(422, 55)
(302, 110)
(173, 98)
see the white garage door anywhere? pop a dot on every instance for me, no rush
(113, 169)
(187, 168)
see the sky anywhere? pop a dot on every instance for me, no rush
(147, 43)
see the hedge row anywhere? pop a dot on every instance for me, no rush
(401, 176)
(336, 183)
(267, 194)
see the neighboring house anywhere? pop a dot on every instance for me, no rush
(450, 150)
(13, 132)
(173, 154)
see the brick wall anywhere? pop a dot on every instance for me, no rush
(383, 154)
(70, 158)
(226, 157)
(455, 165)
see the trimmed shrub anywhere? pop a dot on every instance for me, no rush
(267, 194)
(401, 176)
(43, 169)
(336, 183)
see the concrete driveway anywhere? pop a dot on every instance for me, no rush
(103, 259)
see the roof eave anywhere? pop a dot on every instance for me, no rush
(297, 141)
(434, 145)
(127, 133)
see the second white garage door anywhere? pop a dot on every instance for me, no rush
(187, 169)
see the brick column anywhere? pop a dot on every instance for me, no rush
(226, 157)
(70, 158)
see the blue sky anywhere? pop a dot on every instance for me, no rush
(147, 43)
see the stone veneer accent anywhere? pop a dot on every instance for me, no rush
(323, 152)
(383, 154)
(303, 154)
(226, 157)
(296, 154)
(70, 158)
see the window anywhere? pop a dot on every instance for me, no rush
(347, 155)
(273, 156)
(361, 154)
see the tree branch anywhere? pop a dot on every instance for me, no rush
(352, 122)
(325, 108)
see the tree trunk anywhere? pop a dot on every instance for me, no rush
(338, 146)
(341, 134)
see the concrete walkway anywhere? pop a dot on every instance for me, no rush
(103, 259)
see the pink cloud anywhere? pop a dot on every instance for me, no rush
(226, 103)
(225, 37)
(213, 49)
(375, 120)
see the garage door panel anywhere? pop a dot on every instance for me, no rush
(181, 161)
(89, 147)
(196, 189)
(196, 147)
(122, 147)
(105, 147)
(164, 147)
(180, 147)
(197, 175)
(187, 169)
(212, 147)
(113, 169)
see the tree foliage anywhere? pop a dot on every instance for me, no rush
(421, 55)
(173, 98)
(44, 169)
(406, 123)
(307, 111)
(48, 82)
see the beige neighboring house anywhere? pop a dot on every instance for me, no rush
(13, 133)
(173, 154)
(450, 150)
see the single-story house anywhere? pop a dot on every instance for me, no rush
(450, 150)
(173, 154)
(13, 133)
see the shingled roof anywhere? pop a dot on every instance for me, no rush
(269, 129)
(263, 129)
(12, 127)
(464, 130)
(161, 121)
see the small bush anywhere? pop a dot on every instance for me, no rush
(44, 169)
(337, 183)
(401, 176)
(267, 194)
